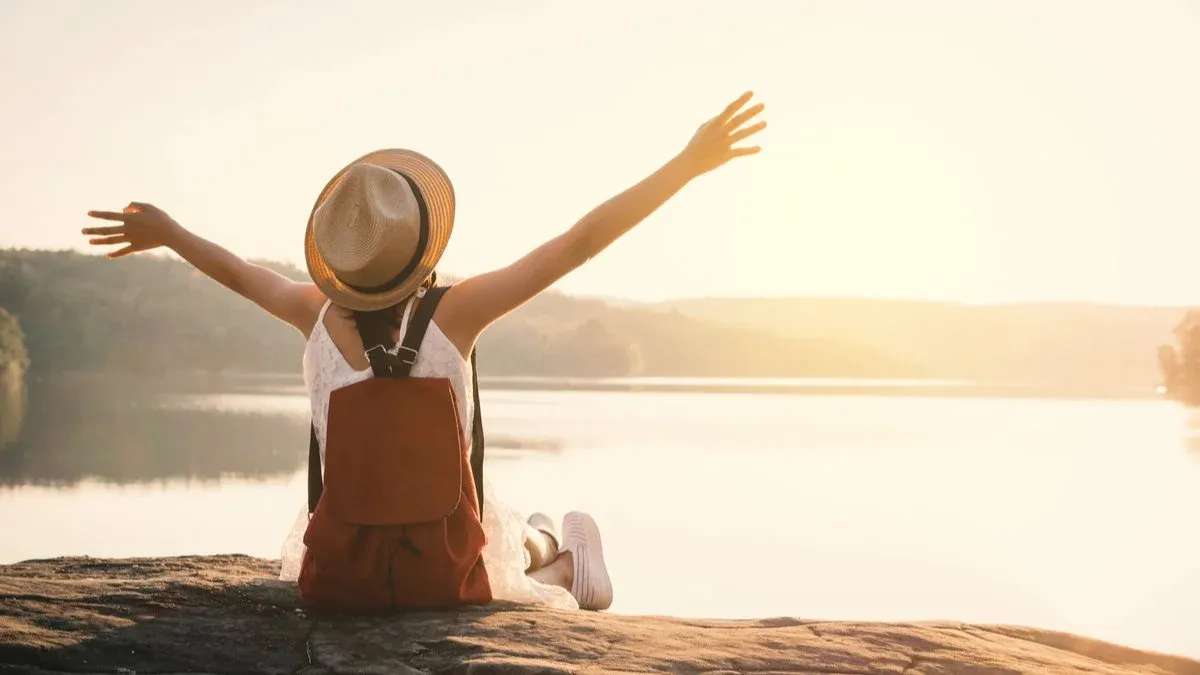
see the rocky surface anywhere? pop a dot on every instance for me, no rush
(227, 614)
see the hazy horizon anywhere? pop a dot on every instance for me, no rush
(983, 152)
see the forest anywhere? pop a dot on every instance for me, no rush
(14, 360)
(155, 314)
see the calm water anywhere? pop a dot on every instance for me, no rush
(1077, 515)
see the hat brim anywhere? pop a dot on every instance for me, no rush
(438, 193)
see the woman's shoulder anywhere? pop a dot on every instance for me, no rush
(312, 305)
(454, 317)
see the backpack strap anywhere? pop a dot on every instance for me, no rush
(477, 440)
(315, 482)
(384, 363)
(388, 360)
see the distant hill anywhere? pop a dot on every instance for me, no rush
(668, 343)
(1056, 345)
(154, 314)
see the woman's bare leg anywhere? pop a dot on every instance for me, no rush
(541, 546)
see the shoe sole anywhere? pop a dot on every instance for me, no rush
(591, 585)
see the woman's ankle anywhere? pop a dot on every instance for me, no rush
(560, 573)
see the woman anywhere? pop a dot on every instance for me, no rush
(368, 258)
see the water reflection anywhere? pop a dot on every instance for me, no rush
(118, 431)
(124, 430)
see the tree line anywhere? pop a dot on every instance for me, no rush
(155, 314)
(14, 360)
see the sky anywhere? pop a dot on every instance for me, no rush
(966, 150)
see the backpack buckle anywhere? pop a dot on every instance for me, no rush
(411, 359)
(390, 358)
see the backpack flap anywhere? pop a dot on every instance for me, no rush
(395, 452)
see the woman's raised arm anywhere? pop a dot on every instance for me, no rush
(144, 227)
(471, 306)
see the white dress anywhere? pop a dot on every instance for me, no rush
(504, 556)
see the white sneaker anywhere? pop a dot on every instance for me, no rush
(590, 584)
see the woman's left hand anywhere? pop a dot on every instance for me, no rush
(715, 141)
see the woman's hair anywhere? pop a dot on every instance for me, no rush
(376, 321)
(373, 321)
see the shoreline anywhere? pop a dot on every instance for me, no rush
(815, 387)
(248, 382)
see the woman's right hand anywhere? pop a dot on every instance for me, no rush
(713, 144)
(143, 227)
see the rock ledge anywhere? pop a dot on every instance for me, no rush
(227, 614)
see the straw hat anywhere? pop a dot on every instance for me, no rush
(379, 228)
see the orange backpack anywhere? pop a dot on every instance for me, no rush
(397, 521)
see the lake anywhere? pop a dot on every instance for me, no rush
(1078, 515)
